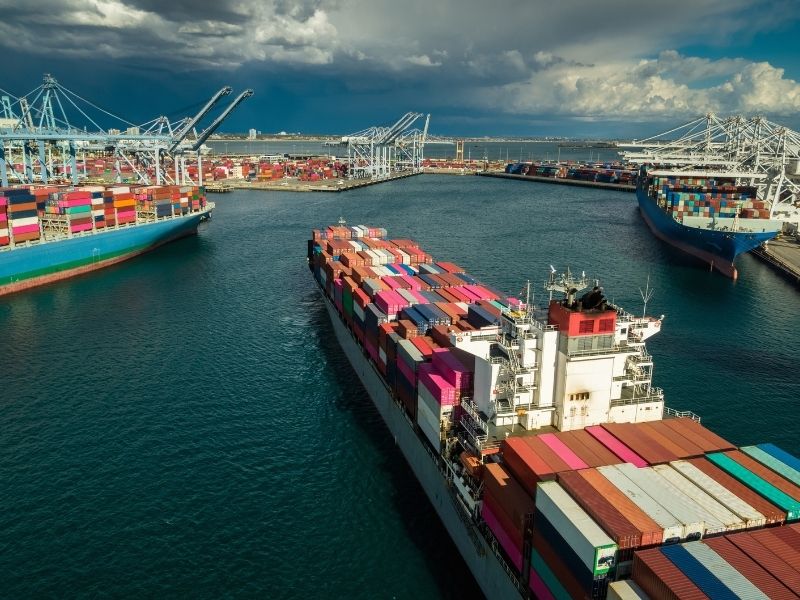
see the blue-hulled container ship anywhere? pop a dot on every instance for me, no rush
(49, 233)
(540, 441)
(705, 214)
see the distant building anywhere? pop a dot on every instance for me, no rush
(114, 132)
(251, 135)
(132, 131)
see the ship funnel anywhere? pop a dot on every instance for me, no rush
(571, 292)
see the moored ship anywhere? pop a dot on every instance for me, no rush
(539, 438)
(49, 233)
(705, 214)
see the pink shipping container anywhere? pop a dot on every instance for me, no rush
(617, 447)
(78, 228)
(413, 283)
(439, 388)
(563, 452)
(505, 540)
(391, 282)
(25, 229)
(390, 302)
(454, 372)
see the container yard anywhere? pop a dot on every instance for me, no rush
(645, 504)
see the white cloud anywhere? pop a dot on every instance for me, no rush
(650, 89)
(422, 60)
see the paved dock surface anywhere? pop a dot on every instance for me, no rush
(620, 187)
(784, 255)
(288, 184)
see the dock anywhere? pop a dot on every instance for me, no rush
(287, 184)
(218, 188)
(619, 187)
(783, 255)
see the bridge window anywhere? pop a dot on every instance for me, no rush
(586, 326)
(606, 325)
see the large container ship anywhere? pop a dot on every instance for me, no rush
(48, 233)
(705, 214)
(541, 442)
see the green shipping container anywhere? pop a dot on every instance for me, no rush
(550, 580)
(769, 461)
(758, 485)
(75, 210)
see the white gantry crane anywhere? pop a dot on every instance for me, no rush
(44, 132)
(373, 152)
(756, 151)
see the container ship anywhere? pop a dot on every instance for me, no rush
(48, 233)
(541, 442)
(705, 214)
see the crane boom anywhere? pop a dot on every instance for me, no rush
(196, 119)
(218, 121)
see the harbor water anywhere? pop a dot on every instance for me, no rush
(184, 425)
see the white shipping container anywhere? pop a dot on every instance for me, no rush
(591, 544)
(625, 589)
(731, 521)
(406, 257)
(738, 584)
(356, 246)
(673, 529)
(750, 516)
(376, 260)
(22, 222)
(425, 397)
(695, 520)
(429, 424)
(407, 296)
(382, 355)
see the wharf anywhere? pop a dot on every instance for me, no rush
(287, 184)
(783, 254)
(620, 187)
(218, 188)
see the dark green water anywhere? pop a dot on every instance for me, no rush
(183, 425)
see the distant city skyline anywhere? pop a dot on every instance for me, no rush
(617, 69)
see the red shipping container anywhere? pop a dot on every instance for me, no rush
(662, 580)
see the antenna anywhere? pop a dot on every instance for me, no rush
(646, 295)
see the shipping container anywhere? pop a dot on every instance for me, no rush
(673, 529)
(527, 466)
(696, 521)
(572, 460)
(769, 459)
(772, 514)
(765, 473)
(588, 448)
(604, 513)
(682, 447)
(761, 578)
(662, 580)
(615, 446)
(683, 486)
(710, 582)
(551, 552)
(744, 511)
(548, 577)
(625, 590)
(780, 499)
(692, 430)
(579, 530)
(652, 532)
(767, 558)
(634, 438)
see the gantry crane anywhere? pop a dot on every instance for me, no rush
(37, 130)
(768, 152)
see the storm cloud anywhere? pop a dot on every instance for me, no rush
(616, 59)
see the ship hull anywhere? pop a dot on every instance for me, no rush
(23, 268)
(485, 566)
(718, 249)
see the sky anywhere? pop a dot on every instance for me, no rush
(611, 69)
